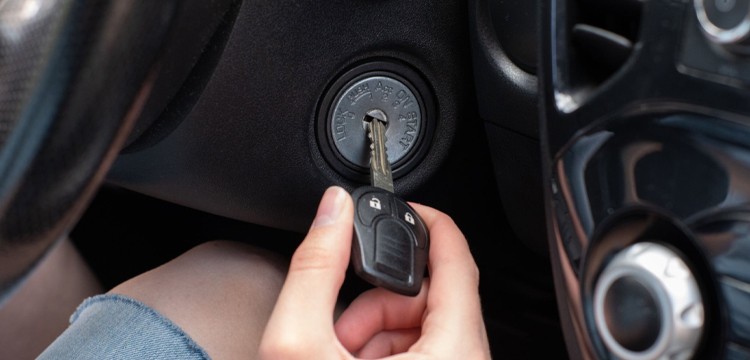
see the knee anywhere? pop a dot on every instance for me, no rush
(214, 267)
(221, 293)
(231, 267)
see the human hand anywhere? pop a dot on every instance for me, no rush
(443, 322)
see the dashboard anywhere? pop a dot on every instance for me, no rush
(595, 153)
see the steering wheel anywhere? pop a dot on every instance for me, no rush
(75, 77)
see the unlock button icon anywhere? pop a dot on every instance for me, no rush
(372, 205)
(375, 203)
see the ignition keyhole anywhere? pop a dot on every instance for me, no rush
(373, 115)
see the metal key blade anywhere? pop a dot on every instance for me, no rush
(380, 168)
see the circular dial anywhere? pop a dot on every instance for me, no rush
(647, 304)
(725, 22)
(385, 95)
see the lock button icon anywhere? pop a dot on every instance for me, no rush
(375, 203)
(409, 218)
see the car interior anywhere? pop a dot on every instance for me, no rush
(595, 153)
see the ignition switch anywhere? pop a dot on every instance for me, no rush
(388, 88)
(375, 93)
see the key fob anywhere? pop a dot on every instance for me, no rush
(391, 242)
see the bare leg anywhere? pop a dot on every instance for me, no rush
(38, 312)
(220, 293)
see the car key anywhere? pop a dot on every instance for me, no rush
(391, 242)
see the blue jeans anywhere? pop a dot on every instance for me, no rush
(117, 327)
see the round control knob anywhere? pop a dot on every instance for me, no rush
(725, 22)
(647, 304)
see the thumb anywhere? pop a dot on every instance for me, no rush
(303, 315)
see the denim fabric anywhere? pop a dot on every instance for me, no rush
(117, 327)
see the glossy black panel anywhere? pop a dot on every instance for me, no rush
(665, 133)
(689, 167)
(726, 238)
(684, 164)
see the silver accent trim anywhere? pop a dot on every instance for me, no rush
(676, 291)
(736, 283)
(733, 36)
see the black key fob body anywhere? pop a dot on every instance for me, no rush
(391, 242)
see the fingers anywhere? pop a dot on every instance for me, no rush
(378, 323)
(302, 320)
(453, 272)
(388, 343)
(376, 311)
(453, 322)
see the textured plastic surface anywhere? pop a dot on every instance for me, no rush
(205, 24)
(248, 148)
(516, 26)
(504, 48)
(506, 90)
(391, 243)
(518, 175)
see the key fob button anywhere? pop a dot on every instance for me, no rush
(409, 217)
(372, 205)
(394, 249)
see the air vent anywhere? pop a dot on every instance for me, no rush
(601, 37)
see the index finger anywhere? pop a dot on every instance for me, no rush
(449, 250)
(453, 300)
